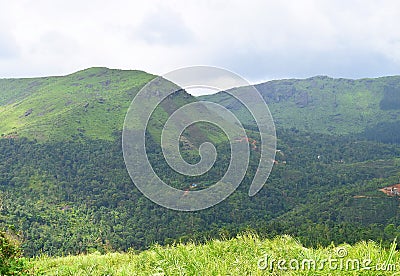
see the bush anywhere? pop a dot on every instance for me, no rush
(11, 261)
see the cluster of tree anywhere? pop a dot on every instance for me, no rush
(76, 196)
(391, 129)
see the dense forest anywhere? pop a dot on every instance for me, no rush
(76, 196)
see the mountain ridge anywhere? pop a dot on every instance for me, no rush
(324, 105)
(93, 102)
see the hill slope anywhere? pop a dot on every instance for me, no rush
(326, 105)
(92, 102)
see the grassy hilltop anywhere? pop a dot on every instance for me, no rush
(92, 102)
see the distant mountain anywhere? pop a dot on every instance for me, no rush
(326, 105)
(93, 103)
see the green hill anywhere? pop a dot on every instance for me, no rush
(325, 105)
(92, 102)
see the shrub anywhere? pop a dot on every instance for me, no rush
(11, 261)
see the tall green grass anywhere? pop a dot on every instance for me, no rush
(245, 255)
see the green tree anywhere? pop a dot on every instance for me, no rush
(11, 261)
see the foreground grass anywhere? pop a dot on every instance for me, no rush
(244, 255)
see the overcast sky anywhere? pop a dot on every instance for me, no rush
(259, 40)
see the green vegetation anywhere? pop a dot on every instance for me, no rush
(65, 188)
(325, 105)
(93, 103)
(11, 261)
(244, 255)
(89, 103)
(76, 197)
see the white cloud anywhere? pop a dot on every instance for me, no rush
(257, 39)
(8, 46)
(164, 27)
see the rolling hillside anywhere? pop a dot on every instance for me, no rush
(325, 105)
(92, 102)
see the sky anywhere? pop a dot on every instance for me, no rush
(259, 40)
